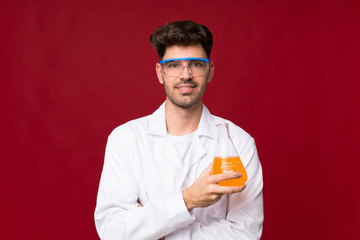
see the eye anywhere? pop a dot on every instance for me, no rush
(198, 64)
(172, 65)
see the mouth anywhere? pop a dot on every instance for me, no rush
(186, 88)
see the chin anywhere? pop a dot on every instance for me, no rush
(186, 104)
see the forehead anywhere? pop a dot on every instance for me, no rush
(177, 51)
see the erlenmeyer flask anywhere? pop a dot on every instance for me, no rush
(226, 158)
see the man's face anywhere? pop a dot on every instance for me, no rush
(184, 91)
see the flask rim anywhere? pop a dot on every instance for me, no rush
(222, 124)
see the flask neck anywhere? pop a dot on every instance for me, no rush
(223, 130)
(224, 145)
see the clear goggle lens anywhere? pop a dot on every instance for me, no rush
(175, 67)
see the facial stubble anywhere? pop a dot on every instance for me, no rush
(183, 103)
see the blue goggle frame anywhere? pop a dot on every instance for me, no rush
(177, 59)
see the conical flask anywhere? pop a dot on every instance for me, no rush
(226, 158)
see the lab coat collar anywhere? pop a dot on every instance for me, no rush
(157, 123)
(207, 125)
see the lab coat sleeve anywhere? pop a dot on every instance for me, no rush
(244, 213)
(117, 215)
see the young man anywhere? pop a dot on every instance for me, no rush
(156, 180)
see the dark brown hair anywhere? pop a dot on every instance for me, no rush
(184, 33)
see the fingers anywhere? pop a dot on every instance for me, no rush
(228, 190)
(215, 179)
(225, 176)
(207, 170)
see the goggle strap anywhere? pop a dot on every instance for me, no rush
(177, 59)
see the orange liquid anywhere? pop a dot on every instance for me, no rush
(229, 164)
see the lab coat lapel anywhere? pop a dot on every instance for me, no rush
(193, 155)
(206, 129)
(171, 155)
(157, 127)
(195, 152)
(205, 136)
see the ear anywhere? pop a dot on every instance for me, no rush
(159, 73)
(211, 72)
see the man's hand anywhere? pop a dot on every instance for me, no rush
(206, 191)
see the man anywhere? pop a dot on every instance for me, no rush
(156, 180)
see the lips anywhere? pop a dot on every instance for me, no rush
(186, 84)
(185, 88)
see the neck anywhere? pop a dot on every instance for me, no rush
(182, 121)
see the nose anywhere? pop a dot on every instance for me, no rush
(185, 74)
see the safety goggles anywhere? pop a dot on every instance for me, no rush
(175, 67)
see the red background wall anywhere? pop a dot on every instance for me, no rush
(286, 71)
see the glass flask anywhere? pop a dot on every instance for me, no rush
(226, 159)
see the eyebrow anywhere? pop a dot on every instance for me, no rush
(177, 59)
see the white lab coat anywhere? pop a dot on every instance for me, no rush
(142, 165)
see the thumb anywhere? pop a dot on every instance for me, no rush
(207, 170)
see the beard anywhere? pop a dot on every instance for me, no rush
(186, 100)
